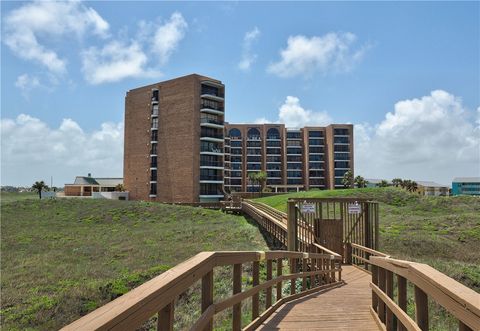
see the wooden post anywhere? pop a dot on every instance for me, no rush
(389, 292)
(293, 268)
(421, 309)
(255, 297)
(332, 274)
(463, 327)
(268, 296)
(312, 277)
(237, 288)
(279, 284)
(304, 269)
(402, 299)
(207, 295)
(366, 236)
(381, 285)
(348, 253)
(291, 227)
(165, 318)
(374, 281)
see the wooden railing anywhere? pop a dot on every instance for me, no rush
(460, 301)
(157, 296)
(268, 219)
(357, 255)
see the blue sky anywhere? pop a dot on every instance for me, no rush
(338, 62)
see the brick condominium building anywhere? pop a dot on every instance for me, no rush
(178, 147)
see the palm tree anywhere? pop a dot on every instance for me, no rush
(38, 187)
(360, 181)
(347, 179)
(383, 183)
(252, 177)
(412, 186)
(397, 182)
(262, 179)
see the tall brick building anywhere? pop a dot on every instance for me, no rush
(178, 147)
(174, 140)
(294, 159)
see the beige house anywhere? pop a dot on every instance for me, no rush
(86, 185)
(432, 189)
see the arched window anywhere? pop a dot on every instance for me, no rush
(273, 133)
(235, 133)
(253, 133)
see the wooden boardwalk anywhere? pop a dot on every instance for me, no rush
(343, 308)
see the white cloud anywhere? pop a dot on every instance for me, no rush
(168, 36)
(248, 57)
(31, 150)
(430, 138)
(332, 52)
(27, 26)
(115, 61)
(26, 83)
(293, 115)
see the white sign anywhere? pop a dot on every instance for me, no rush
(308, 208)
(354, 208)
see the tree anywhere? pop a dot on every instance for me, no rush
(252, 177)
(411, 185)
(383, 183)
(262, 179)
(119, 188)
(38, 187)
(397, 182)
(347, 179)
(360, 182)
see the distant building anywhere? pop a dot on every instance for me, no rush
(432, 188)
(86, 185)
(374, 182)
(466, 186)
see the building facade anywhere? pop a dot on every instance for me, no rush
(178, 147)
(85, 186)
(173, 148)
(432, 189)
(293, 159)
(466, 186)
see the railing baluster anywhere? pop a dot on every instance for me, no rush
(255, 297)
(279, 284)
(389, 292)
(207, 295)
(304, 269)
(421, 308)
(381, 285)
(375, 281)
(332, 274)
(268, 296)
(165, 317)
(312, 277)
(293, 268)
(402, 299)
(237, 288)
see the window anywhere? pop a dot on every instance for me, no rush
(315, 149)
(154, 95)
(315, 134)
(274, 151)
(316, 142)
(274, 181)
(341, 148)
(235, 158)
(339, 173)
(236, 166)
(342, 156)
(294, 158)
(212, 133)
(236, 151)
(273, 158)
(210, 90)
(153, 188)
(274, 143)
(236, 174)
(294, 174)
(235, 143)
(317, 157)
(274, 174)
(273, 133)
(316, 173)
(254, 158)
(341, 140)
(274, 166)
(342, 164)
(297, 166)
(236, 181)
(317, 181)
(153, 175)
(211, 174)
(315, 165)
(209, 118)
(154, 122)
(294, 150)
(210, 160)
(154, 135)
(255, 143)
(293, 135)
(253, 133)
(153, 162)
(207, 146)
(235, 133)
(153, 149)
(254, 166)
(294, 143)
(155, 110)
(210, 189)
(254, 151)
(211, 104)
(342, 132)
(294, 181)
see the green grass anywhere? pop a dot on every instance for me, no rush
(443, 232)
(63, 258)
(15, 196)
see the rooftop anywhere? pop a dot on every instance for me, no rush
(466, 180)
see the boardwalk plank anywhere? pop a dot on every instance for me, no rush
(342, 308)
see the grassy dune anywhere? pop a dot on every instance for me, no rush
(63, 258)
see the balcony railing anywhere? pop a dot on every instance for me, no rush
(211, 192)
(211, 177)
(204, 163)
(210, 149)
(211, 135)
(211, 120)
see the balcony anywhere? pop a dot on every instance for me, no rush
(210, 150)
(275, 138)
(211, 179)
(211, 123)
(207, 164)
(254, 138)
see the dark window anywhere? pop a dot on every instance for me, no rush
(317, 181)
(315, 134)
(294, 135)
(316, 142)
(235, 133)
(294, 174)
(155, 122)
(342, 164)
(211, 174)
(155, 95)
(211, 104)
(208, 146)
(236, 166)
(273, 133)
(318, 157)
(339, 173)
(210, 90)
(294, 158)
(236, 174)
(236, 181)
(294, 181)
(210, 189)
(274, 174)
(274, 143)
(274, 166)
(273, 158)
(342, 156)
(209, 118)
(235, 158)
(338, 182)
(294, 143)
(343, 132)
(210, 160)
(235, 143)
(274, 181)
(341, 140)
(255, 143)
(155, 110)
(294, 150)
(210, 132)
(315, 149)
(153, 175)
(236, 151)
(341, 148)
(297, 166)
(254, 166)
(275, 151)
(315, 165)
(154, 135)
(254, 151)
(153, 188)
(254, 158)
(153, 162)
(253, 133)
(153, 149)
(316, 173)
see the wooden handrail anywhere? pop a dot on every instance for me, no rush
(457, 299)
(327, 251)
(157, 295)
